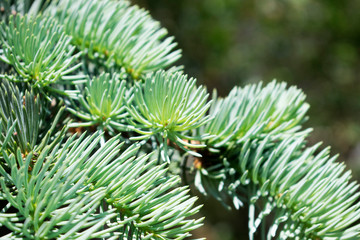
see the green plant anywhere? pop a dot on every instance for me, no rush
(97, 154)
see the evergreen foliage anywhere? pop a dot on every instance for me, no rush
(120, 34)
(96, 154)
(168, 105)
(24, 112)
(256, 111)
(103, 102)
(38, 49)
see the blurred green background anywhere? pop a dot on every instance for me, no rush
(314, 45)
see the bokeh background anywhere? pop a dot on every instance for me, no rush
(314, 45)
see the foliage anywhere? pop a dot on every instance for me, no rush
(96, 154)
(38, 49)
(261, 159)
(122, 35)
(81, 187)
(313, 45)
(103, 103)
(256, 111)
(169, 104)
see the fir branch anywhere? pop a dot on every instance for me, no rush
(24, 109)
(103, 103)
(136, 190)
(49, 194)
(255, 112)
(118, 33)
(59, 187)
(311, 194)
(38, 49)
(169, 105)
(265, 164)
(140, 191)
(24, 112)
(305, 195)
